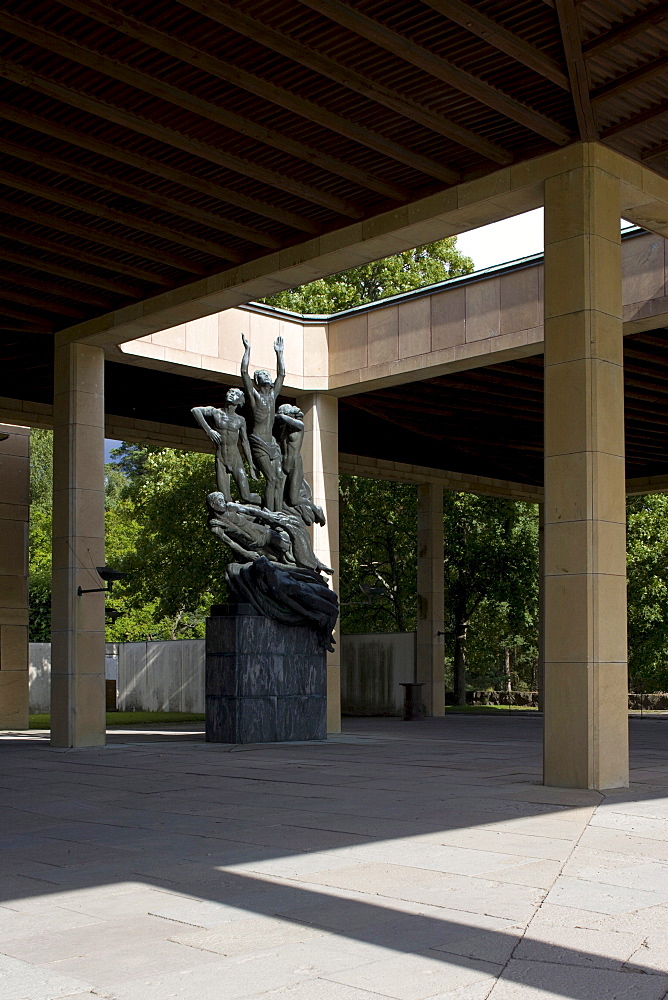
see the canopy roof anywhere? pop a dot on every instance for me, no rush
(150, 144)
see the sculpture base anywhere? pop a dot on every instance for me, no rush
(265, 681)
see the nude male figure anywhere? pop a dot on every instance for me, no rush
(289, 428)
(228, 434)
(262, 394)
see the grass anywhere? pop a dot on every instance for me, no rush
(43, 721)
(488, 709)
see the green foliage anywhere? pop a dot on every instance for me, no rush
(426, 265)
(156, 532)
(490, 573)
(491, 589)
(39, 546)
(378, 555)
(647, 569)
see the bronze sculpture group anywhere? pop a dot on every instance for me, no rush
(275, 568)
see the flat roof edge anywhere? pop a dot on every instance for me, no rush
(316, 319)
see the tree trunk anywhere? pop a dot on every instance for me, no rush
(459, 669)
(509, 686)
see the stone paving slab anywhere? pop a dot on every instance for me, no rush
(412, 861)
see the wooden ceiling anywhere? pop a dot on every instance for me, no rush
(147, 144)
(489, 421)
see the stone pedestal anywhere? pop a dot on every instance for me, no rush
(265, 682)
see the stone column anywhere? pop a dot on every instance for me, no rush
(320, 453)
(77, 650)
(429, 644)
(586, 723)
(14, 508)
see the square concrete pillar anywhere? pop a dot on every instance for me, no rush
(77, 638)
(320, 453)
(586, 721)
(14, 508)
(429, 644)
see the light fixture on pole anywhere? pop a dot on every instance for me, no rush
(108, 575)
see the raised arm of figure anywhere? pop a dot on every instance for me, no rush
(200, 413)
(245, 377)
(280, 365)
(296, 425)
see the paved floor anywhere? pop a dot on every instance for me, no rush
(402, 860)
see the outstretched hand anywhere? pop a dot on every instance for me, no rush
(278, 345)
(244, 340)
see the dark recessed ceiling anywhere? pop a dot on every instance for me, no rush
(146, 145)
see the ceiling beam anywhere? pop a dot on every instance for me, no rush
(63, 225)
(44, 305)
(38, 264)
(36, 322)
(643, 74)
(429, 62)
(185, 53)
(142, 195)
(655, 152)
(234, 19)
(50, 192)
(649, 114)
(53, 288)
(569, 24)
(155, 168)
(500, 38)
(626, 30)
(108, 67)
(283, 98)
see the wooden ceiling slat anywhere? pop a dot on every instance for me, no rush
(571, 34)
(78, 294)
(38, 263)
(245, 126)
(36, 322)
(626, 30)
(142, 195)
(429, 62)
(655, 152)
(307, 109)
(90, 235)
(156, 168)
(60, 196)
(346, 77)
(643, 74)
(109, 67)
(468, 17)
(61, 308)
(634, 121)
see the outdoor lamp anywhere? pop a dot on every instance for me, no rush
(108, 575)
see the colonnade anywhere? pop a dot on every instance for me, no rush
(583, 524)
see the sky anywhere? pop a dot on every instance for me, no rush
(502, 241)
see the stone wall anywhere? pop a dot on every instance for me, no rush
(372, 669)
(39, 672)
(161, 676)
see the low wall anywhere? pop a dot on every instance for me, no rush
(372, 669)
(39, 673)
(161, 676)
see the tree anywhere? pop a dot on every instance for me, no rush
(378, 555)
(490, 572)
(425, 265)
(156, 532)
(647, 575)
(39, 545)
